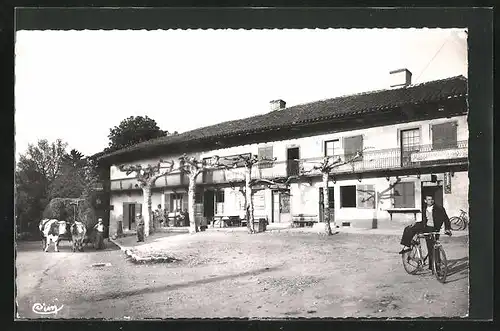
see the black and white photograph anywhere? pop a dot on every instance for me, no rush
(230, 173)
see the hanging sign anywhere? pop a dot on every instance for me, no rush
(447, 183)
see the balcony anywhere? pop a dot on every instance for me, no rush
(372, 160)
(175, 179)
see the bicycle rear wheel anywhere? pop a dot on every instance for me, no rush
(456, 223)
(440, 264)
(411, 262)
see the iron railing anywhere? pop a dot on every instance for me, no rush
(371, 160)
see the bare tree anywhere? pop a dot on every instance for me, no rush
(193, 168)
(377, 197)
(248, 161)
(326, 167)
(147, 176)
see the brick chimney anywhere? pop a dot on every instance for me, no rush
(400, 77)
(277, 104)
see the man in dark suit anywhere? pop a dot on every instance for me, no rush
(433, 217)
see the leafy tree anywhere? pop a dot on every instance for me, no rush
(133, 130)
(36, 171)
(46, 173)
(76, 176)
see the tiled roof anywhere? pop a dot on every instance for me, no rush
(329, 109)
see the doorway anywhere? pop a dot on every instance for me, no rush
(208, 204)
(331, 203)
(130, 209)
(293, 156)
(281, 207)
(435, 190)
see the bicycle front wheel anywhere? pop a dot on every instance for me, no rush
(440, 264)
(465, 224)
(456, 223)
(411, 262)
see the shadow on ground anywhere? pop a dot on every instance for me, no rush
(171, 287)
(64, 246)
(458, 269)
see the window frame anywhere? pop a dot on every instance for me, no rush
(198, 197)
(265, 164)
(218, 194)
(355, 196)
(325, 143)
(413, 204)
(176, 197)
(400, 136)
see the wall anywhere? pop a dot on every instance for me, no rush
(305, 197)
(383, 137)
(117, 200)
(459, 197)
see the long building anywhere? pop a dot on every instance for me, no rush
(414, 139)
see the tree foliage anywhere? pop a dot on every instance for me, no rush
(36, 171)
(46, 173)
(133, 130)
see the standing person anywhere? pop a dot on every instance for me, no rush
(433, 218)
(158, 215)
(185, 217)
(99, 236)
(140, 227)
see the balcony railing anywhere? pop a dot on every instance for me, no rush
(371, 160)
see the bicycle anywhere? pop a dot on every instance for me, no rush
(414, 261)
(460, 222)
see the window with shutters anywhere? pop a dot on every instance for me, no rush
(348, 196)
(444, 135)
(265, 153)
(332, 147)
(352, 145)
(366, 196)
(404, 195)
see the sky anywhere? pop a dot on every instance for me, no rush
(76, 85)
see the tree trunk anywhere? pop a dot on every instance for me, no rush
(193, 227)
(375, 219)
(249, 201)
(326, 206)
(146, 192)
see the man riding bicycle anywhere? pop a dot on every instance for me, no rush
(433, 218)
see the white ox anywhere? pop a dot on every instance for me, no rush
(78, 233)
(51, 231)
